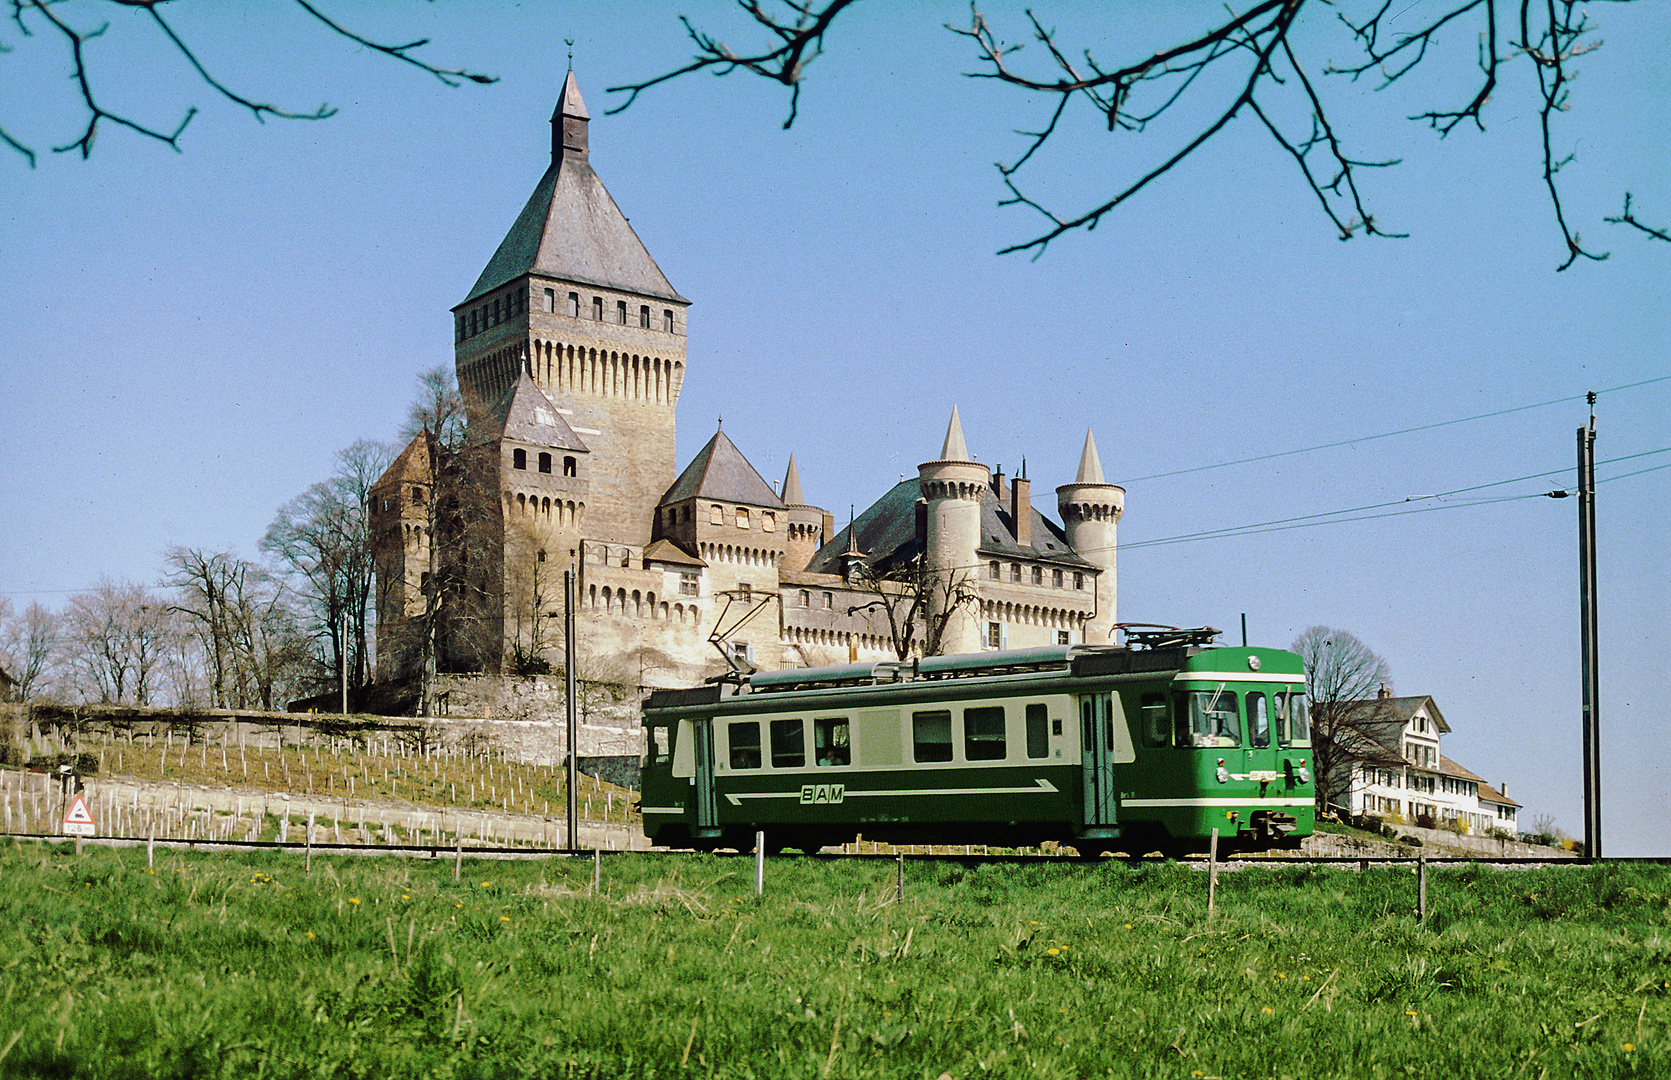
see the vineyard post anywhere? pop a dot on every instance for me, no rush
(1212, 872)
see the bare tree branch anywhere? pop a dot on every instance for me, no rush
(51, 12)
(1627, 218)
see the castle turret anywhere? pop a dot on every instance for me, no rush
(953, 487)
(1090, 509)
(806, 523)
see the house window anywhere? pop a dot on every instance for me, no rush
(994, 635)
(983, 733)
(644, 316)
(744, 739)
(832, 742)
(570, 466)
(545, 462)
(519, 459)
(574, 304)
(1015, 571)
(1055, 579)
(829, 601)
(1038, 575)
(687, 584)
(994, 571)
(551, 300)
(806, 598)
(931, 735)
(597, 309)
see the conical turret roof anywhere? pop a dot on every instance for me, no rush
(954, 448)
(719, 471)
(1090, 466)
(792, 485)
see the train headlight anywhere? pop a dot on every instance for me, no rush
(1305, 773)
(1223, 773)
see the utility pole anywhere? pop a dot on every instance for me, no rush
(571, 713)
(1587, 622)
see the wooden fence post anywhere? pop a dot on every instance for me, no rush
(1421, 887)
(597, 869)
(899, 879)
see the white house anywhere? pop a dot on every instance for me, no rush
(1410, 780)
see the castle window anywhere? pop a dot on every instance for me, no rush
(1061, 637)
(768, 521)
(742, 517)
(644, 316)
(551, 300)
(1078, 580)
(597, 309)
(496, 319)
(746, 589)
(1038, 575)
(570, 466)
(994, 571)
(417, 496)
(542, 554)
(994, 635)
(716, 515)
(1055, 579)
(545, 464)
(667, 321)
(574, 304)
(463, 328)
(621, 312)
(1015, 571)
(687, 584)
(473, 315)
(829, 601)
(806, 598)
(519, 459)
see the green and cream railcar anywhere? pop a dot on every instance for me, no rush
(1100, 748)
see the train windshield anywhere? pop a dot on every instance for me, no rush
(1292, 726)
(1209, 718)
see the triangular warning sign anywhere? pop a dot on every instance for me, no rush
(77, 821)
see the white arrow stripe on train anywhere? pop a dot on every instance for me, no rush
(1039, 785)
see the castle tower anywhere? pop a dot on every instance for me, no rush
(952, 488)
(806, 523)
(1090, 510)
(573, 298)
(401, 538)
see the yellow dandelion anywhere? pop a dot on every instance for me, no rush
(406, 896)
(504, 918)
(1280, 975)
(1305, 978)
(1196, 1072)
(458, 905)
(1053, 951)
(1630, 1048)
(1268, 1011)
(355, 900)
(1128, 926)
(487, 884)
(310, 935)
(1410, 1013)
(884, 1015)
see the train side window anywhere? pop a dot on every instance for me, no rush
(1156, 719)
(1258, 721)
(743, 736)
(983, 734)
(788, 744)
(1208, 718)
(1291, 728)
(660, 746)
(832, 742)
(931, 733)
(1038, 731)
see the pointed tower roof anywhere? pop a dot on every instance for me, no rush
(526, 415)
(571, 228)
(792, 486)
(954, 448)
(1090, 466)
(412, 466)
(719, 471)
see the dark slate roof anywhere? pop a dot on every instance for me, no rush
(526, 415)
(887, 534)
(571, 229)
(719, 471)
(1405, 708)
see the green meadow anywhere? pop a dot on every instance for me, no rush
(214, 965)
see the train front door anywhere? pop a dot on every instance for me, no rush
(1096, 726)
(707, 813)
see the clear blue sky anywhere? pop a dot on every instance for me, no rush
(190, 337)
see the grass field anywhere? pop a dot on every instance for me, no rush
(244, 966)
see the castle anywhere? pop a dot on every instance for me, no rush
(570, 358)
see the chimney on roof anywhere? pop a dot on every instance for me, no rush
(569, 123)
(998, 483)
(1383, 693)
(1021, 507)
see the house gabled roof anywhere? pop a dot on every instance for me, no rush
(524, 414)
(1492, 795)
(720, 471)
(666, 551)
(1402, 710)
(571, 229)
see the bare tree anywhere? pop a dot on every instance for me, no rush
(917, 602)
(30, 642)
(323, 537)
(115, 637)
(241, 614)
(75, 24)
(1261, 65)
(1351, 723)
